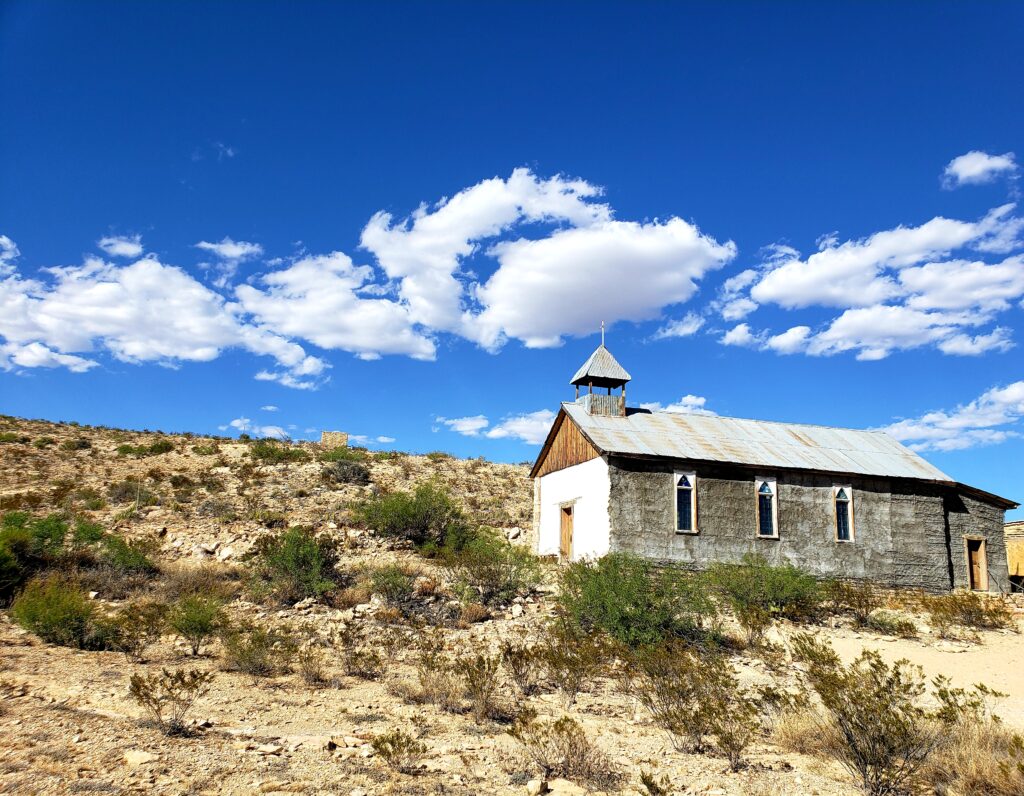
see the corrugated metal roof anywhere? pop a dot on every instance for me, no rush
(753, 442)
(601, 365)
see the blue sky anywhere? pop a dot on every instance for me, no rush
(407, 220)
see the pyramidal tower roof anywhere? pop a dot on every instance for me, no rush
(601, 370)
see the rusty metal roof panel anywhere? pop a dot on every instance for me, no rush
(601, 365)
(753, 442)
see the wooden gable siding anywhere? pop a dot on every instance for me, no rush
(568, 447)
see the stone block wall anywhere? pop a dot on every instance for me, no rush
(329, 440)
(901, 536)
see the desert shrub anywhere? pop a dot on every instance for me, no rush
(438, 682)
(399, 750)
(480, 675)
(206, 450)
(168, 696)
(75, 444)
(127, 556)
(270, 451)
(311, 662)
(966, 609)
(346, 472)
(560, 748)
(633, 601)
(757, 593)
(572, 657)
(220, 508)
(654, 785)
(294, 564)
(891, 624)
(43, 442)
(886, 736)
(494, 570)
(856, 597)
(358, 657)
(428, 518)
(258, 651)
(393, 582)
(131, 491)
(204, 579)
(471, 613)
(10, 437)
(691, 696)
(523, 665)
(344, 455)
(196, 619)
(139, 451)
(56, 610)
(133, 628)
(29, 545)
(86, 533)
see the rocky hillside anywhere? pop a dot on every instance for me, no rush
(203, 496)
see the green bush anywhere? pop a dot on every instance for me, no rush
(127, 556)
(295, 564)
(258, 651)
(75, 444)
(428, 518)
(634, 601)
(27, 546)
(399, 750)
(196, 619)
(10, 436)
(272, 451)
(56, 610)
(344, 455)
(206, 450)
(757, 593)
(393, 582)
(494, 570)
(86, 533)
(43, 442)
(140, 451)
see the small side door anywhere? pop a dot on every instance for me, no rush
(565, 545)
(976, 569)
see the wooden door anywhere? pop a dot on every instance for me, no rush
(976, 563)
(565, 545)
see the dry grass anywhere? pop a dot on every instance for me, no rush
(978, 757)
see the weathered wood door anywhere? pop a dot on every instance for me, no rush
(565, 546)
(976, 563)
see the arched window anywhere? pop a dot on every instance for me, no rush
(767, 522)
(844, 513)
(686, 503)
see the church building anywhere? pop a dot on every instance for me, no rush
(698, 489)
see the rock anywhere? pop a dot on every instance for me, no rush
(535, 787)
(513, 533)
(134, 758)
(357, 792)
(225, 553)
(209, 547)
(93, 595)
(268, 749)
(517, 611)
(566, 788)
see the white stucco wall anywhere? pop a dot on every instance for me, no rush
(587, 486)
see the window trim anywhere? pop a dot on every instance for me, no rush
(835, 513)
(695, 530)
(774, 485)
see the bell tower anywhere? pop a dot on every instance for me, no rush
(602, 371)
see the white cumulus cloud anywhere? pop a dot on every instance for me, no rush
(687, 405)
(121, 245)
(990, 418)
(976, 167)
